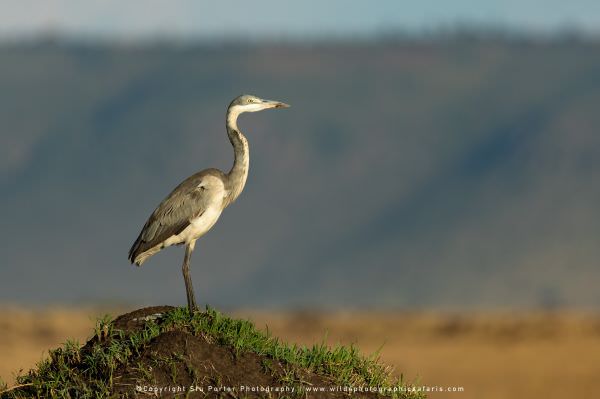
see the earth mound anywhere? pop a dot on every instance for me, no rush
(166, 352)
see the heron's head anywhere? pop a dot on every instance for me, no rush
(249, 103)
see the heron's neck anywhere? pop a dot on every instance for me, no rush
(239, 172)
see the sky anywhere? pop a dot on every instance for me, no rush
(191, 19)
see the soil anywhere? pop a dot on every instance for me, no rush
(179, 364)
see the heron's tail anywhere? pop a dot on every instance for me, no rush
(141, 258)
(135, 253)
(140, 252)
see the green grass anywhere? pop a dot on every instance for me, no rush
(72, 372)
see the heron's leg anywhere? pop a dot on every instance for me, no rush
(191, 300)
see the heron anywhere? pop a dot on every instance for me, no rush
(194, 206)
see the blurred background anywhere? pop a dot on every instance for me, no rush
(433, 189)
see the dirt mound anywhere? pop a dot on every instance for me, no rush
(178, 362)
(166, 352)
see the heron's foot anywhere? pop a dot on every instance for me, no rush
(192, 307)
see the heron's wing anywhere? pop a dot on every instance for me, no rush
(186, 202)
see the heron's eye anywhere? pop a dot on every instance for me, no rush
(250, 100)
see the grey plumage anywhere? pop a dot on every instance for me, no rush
(186, 202)
(192, 208)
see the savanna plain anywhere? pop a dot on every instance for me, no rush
(549, 354)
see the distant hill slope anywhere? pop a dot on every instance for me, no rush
(433, 173)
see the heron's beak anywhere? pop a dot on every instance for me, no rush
(275, 104)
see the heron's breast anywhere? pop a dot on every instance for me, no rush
(200, 225)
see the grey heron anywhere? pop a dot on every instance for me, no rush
(194, 206)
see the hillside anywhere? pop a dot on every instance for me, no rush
(441, 173)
